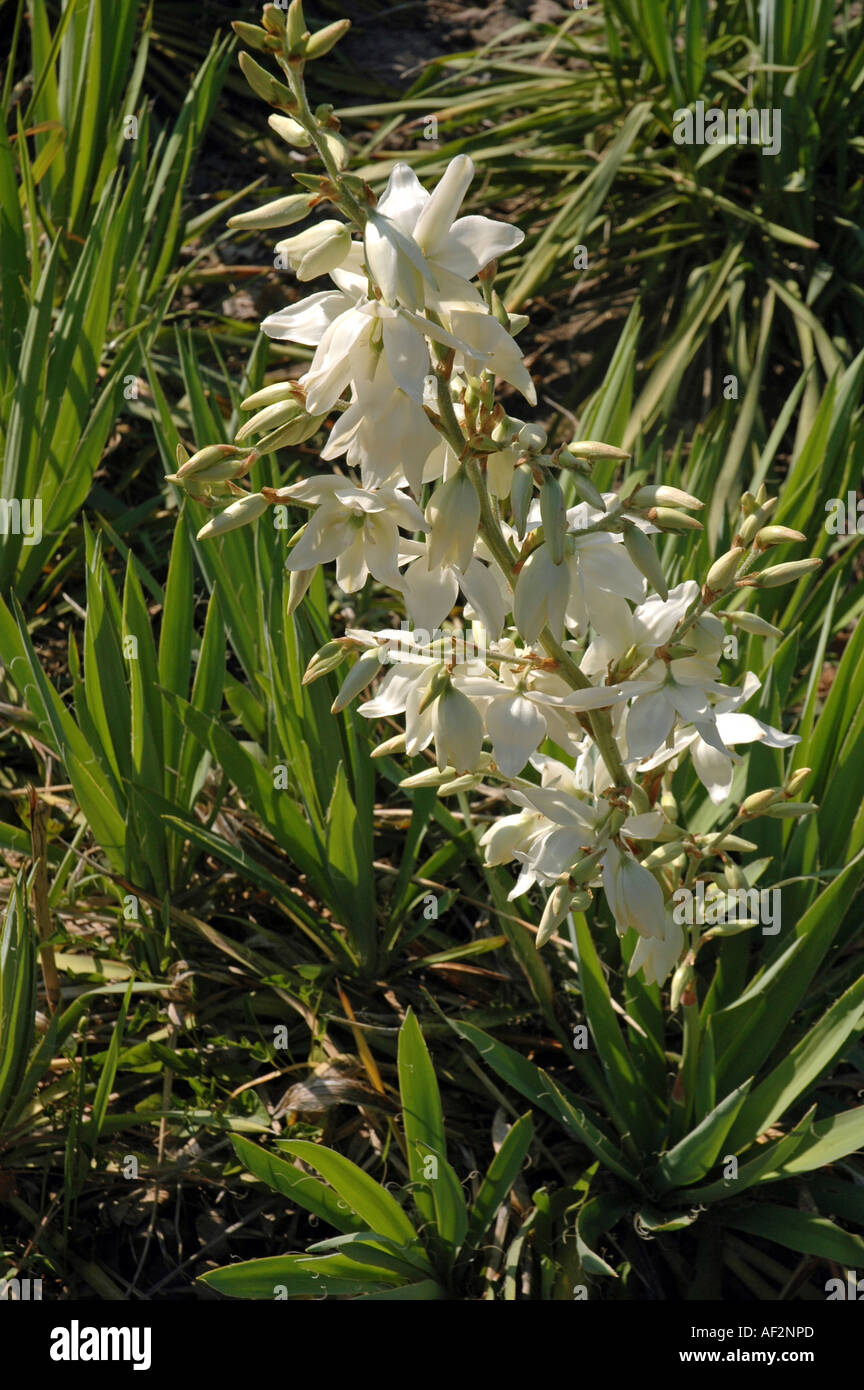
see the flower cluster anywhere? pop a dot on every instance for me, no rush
(455, 504)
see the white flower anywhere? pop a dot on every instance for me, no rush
(541, 594)
(634, 895)
(458, 731)
(714, 766)
(656, 956)
(357, 527)
(461, 245)
(454, 519)
(318, 249)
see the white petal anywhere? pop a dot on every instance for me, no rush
(308, 320)
(649, 721)
(475, 241)
(429, 594)
(516, 727)
(440, 212)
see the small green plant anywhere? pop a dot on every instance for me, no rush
(382, 1252)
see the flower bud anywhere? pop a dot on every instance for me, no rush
(454, 517)
(665, 519)
(682, 980)
(337, 148)
(265, 86)
(270, 418)
(250, 33)
(776, 535)
(586, 867)
(396, 744)
(214, 463)
(663, 496)
(298, 585)
(664, 854)
(430, 777)
(553, 515)
(532, 438)
(362, 672)
(755, 520)
(748, 503)
(327, 658)
(723, 571)
(318, 250)
(466, 783)
(641, 550)
(240, 513)
(521, 494)
(751, 622)
(291, 131)
(585, 488)
(282, 212)
(302, 427)
(323, 41)
(734, 877)
(273, 19)
(590, 449)
(796, 780)
(776, 575)
(556, 909)
(758, 802)
(272, 395)
(736, 842)
(295, 26)
(790, 810)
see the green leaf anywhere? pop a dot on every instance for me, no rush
(421, 1110)
(371, 1202)
(537, 1086)
(499, 1179)
(801, 1231)
(695, 1154)
(296, 1185)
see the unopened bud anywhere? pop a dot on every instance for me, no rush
(553, 514)
(265, 86)
(641, 551)
(282, 212)
(776, 575)
(591, 449)
(723, 571)
(532, 438)
(665, 519)
(586, 489)
(790, 810)
(327, 658)
(521, 493)
(240, 513)
(758, 802)
(291, 131)
(751, 622)
(298, 585)
(663, 496)
(323, 41)
(776, 535)
(256, 38)
(796, 780)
